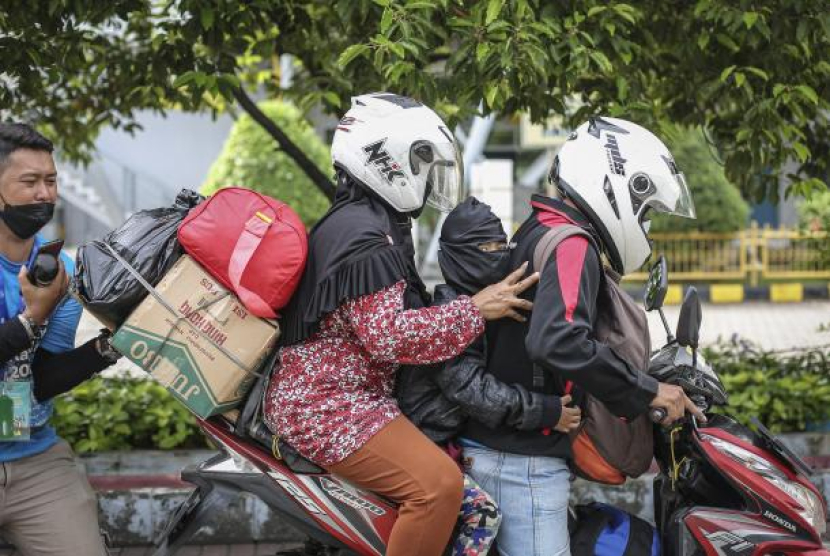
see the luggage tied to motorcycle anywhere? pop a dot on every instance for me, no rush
(606, 448)
(192, 333)
(252, 244)
(147, 241)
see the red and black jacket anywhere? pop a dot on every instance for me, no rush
(559, 337)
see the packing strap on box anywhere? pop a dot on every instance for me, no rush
(152, 291)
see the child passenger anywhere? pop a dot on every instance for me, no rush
(439, 398)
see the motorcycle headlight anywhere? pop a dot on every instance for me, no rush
(811, 510)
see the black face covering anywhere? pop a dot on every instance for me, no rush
(464, 265)
(26, 220)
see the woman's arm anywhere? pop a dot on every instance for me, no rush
(417, 336)
(482, 396)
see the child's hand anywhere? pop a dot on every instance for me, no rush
(570, 418)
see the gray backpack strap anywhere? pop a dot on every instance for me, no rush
(542, 254)
(551, 240)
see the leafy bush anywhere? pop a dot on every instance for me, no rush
(718, 203)
(118, 413)
(814, 216)
(124, 414)
(251, 158)
(784, 391)
(814, 213)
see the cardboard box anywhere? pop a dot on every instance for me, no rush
(198, 340)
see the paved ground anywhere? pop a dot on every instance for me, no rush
(771, 325)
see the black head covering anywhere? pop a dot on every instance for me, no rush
(464, 265)
(359, 247)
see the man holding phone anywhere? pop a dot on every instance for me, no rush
(47, 506)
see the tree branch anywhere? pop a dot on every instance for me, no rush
(314, 173)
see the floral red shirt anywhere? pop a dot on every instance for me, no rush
(333, 392)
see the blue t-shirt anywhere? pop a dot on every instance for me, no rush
(58, 337)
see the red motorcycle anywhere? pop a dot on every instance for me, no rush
(722, 488)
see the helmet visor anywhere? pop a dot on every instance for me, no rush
(672, 196)
(446, 178)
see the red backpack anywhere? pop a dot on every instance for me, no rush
(254, 245)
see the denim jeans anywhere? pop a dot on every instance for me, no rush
(532, 493)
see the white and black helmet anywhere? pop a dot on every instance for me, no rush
(401, 150)
(616, 172)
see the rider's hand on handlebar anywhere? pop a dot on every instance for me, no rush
(570, 418)
(674, 401)
(499, 300)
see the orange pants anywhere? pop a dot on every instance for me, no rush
(402, 464)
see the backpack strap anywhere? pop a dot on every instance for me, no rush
(542, 253)
(551, 240)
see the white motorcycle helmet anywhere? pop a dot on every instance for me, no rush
(616, 173)
(401, 150)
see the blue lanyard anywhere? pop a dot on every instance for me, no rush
(4, 309)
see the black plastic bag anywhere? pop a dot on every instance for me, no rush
(147, 240)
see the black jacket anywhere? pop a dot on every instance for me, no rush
(559, 337)
(440, 398)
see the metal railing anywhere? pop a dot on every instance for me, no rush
(750, 255)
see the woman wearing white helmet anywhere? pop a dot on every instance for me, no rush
(360, 313)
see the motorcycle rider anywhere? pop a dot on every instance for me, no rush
(607, 178)
(359, 314)
(439, 398)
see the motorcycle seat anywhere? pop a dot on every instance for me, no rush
(285, 452)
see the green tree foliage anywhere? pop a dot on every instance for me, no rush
(718, 203)
(754, 75)
(250, 159)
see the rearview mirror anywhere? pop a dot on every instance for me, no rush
(657, 285)
(688, 324)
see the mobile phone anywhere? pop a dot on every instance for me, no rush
(45, 264)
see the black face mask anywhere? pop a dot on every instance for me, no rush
(464, 265)
(26, 220)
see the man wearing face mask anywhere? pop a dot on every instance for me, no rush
(47, 506)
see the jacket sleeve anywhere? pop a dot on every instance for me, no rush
(561, 336)
(465, 381)
(56, 373)
(415, 336)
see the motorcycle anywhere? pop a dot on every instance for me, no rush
(722, 489)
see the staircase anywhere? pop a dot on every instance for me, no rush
(101, 196)
(87, 199)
